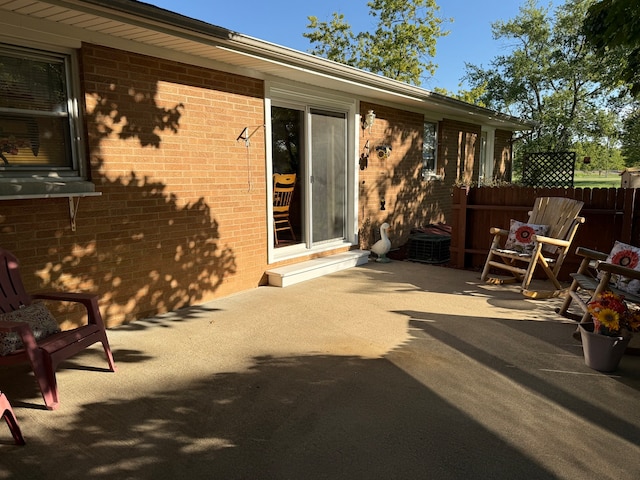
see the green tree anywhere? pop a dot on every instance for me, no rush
(401, 47)
(612, 28)
(473, 96)
(600, 140)
(602, 158)
(549, 76)
(630, 139)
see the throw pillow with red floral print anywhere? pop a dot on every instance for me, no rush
(521, 236)
(626, 256)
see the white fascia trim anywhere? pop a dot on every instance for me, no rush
(163, 21)
(48, 35)
(35, 31)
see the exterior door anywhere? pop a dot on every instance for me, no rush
(312, 143)
(328, 179)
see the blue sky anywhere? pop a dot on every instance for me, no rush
(284, 21)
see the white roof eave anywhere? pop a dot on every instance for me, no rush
(138, 22)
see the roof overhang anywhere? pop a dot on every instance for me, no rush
(144, 28)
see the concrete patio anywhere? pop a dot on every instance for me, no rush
(385, 371)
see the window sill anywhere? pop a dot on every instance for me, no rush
(73, 190)
(432, 176)
(20, 189)
(49, 195)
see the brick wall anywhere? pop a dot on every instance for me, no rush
(409, 200)
(459, 150)
(182, 215)
(181, 218)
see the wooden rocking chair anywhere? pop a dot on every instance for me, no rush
(560, 215)
(592, 278)
(44, 355)
(283, 185)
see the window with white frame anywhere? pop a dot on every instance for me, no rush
(429, 151)
(38, 117)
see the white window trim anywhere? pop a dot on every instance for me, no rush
(48, 183)
(286, 95)
(428, 174)
(489, 155)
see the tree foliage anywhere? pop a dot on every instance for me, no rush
(630, 138)
(549, 77)
(612, 28)
(401, 47)
(473, 96)
(601, 157)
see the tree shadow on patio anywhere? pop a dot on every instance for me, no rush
(542, 360)
(312, 417)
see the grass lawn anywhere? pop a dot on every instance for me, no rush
(594, 180)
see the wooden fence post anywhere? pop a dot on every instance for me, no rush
(462, 228)
(627, 217)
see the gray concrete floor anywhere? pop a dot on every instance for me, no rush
(386, 371)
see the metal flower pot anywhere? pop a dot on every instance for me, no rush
(602, 352)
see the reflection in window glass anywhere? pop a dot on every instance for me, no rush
(429, 145)
(34, 118)
(286, 126)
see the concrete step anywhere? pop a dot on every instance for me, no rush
(299, 272)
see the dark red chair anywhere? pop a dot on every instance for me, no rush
(7, 414)
(45, 355)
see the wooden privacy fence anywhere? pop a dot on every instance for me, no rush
(611, 214)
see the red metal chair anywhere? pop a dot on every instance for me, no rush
(45, 355)
(7, 414)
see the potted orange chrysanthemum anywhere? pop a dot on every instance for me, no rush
(605, 340)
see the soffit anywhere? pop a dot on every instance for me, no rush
(121, 22)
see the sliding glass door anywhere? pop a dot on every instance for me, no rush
(312, 144)
(328, 175)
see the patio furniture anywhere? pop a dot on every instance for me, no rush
(10, 418)
(594, 276)
(544, 240)
(46, 353)
(283, 185)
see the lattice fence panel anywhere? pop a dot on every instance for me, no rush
(548, 169)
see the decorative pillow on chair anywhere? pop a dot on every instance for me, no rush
(38, 317)
(521, 234)
(626, 256)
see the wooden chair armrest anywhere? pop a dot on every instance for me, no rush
(498, 231)
(618, 270)
(551, 241)
(591, 254)
(589, 260)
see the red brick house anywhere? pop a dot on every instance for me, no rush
(138, 148)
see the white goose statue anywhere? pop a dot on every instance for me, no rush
(382, 246)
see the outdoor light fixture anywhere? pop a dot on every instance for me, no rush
(369, 120)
